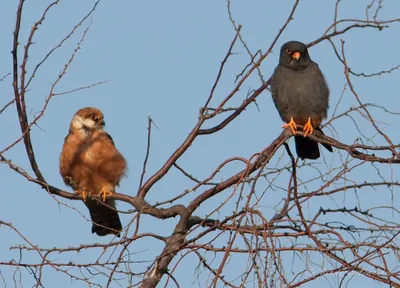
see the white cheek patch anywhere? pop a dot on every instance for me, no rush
(78, 122)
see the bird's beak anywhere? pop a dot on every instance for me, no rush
(296, 55)
(103, 123)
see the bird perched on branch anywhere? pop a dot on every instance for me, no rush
(301, 96)
(92, 166)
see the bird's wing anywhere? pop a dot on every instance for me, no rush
(105, 158)
(69, 157)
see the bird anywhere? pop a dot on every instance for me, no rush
(91, 164)
(301, 95)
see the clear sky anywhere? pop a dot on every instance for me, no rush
(160, 59)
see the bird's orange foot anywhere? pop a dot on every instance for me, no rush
(83, 193)
(292, 125)
(308, 129)
(104, 193)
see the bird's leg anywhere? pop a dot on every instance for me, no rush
(292, 125)
(105, 192)
(83, 192)
(308, 129)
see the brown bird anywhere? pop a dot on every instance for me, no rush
(91, 165)
(301, 96)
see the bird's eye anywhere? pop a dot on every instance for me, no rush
(288, 50)
(93, 117)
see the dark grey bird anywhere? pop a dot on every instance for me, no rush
(301, 96)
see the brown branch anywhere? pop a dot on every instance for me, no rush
(150, 121)
(346, 72)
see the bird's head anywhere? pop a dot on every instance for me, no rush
(88, 118)
(294, 55)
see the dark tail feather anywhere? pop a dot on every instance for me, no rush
(327, 146)
(105, 220)
(306, 148)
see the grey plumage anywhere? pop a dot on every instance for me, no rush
(299, 90)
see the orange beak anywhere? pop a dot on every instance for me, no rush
(296, 55)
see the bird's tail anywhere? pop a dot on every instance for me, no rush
(327, 146)
(307, 148)
(105, 220)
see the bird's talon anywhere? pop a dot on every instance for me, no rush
(292, 125)
(104, 193)
(83, 194)
(308, 129)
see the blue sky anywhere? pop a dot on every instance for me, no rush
(160, 59)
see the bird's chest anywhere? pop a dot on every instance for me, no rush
(89, 153)
(95, 150)
(299, 86)
(87, 156)
(84, 149)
